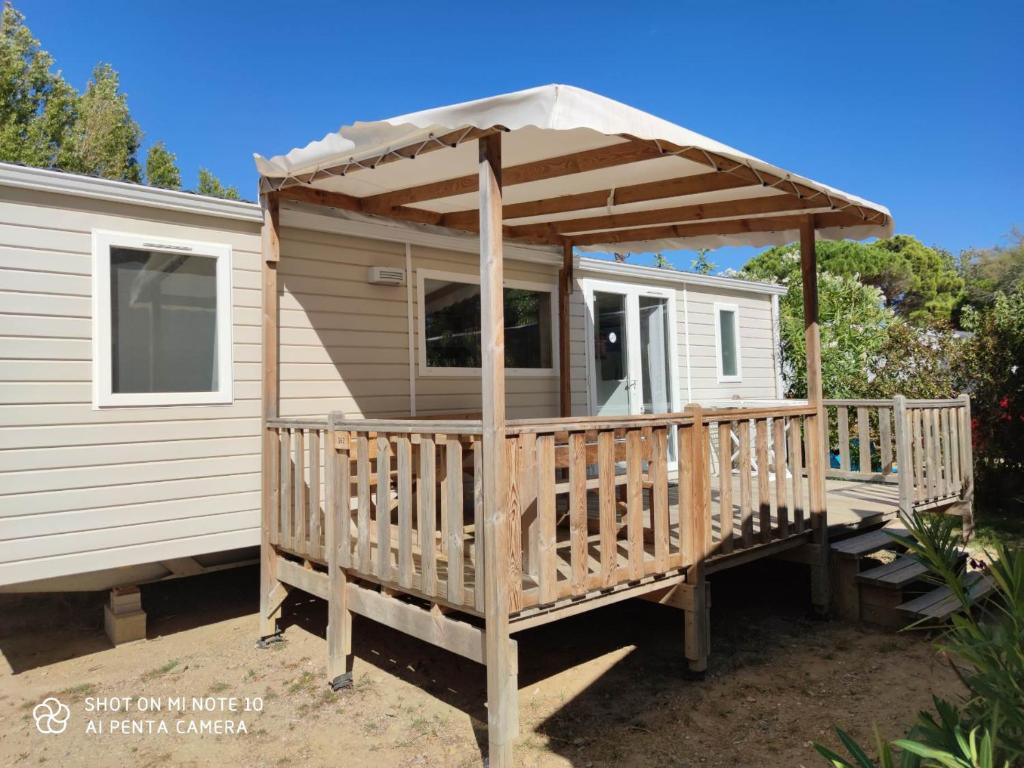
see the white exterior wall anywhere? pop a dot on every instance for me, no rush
(345, 343)
(84, 489)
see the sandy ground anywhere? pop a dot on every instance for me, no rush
(602, 689)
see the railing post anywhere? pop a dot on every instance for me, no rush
(818, 503)
(697, 540)
(967, 465)
(904, 455)
(339, 617)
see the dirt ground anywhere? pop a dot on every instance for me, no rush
(602, 689)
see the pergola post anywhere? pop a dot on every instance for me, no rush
(270, 587)
(816, 425)
(502, 686)
(565, 280)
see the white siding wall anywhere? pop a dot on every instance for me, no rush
(757, 342)
(345, 343)
(84, 489)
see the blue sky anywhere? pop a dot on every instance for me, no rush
(916, 105)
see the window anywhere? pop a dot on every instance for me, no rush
(161, 321)
(727, 336)
(450, 326)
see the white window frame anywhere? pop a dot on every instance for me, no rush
(734, 308)
(422, 275)
(102, 375)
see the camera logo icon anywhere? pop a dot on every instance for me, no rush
(51, 716)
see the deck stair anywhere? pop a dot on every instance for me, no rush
(891, 594)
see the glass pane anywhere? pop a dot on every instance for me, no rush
(654, 354)
(452, 326)
(163, 311)
(727, 331)
(610, 354)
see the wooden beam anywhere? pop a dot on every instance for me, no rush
(721, 210)
(630, 151)
(729, 227)
(502, 693)
(448, 140)
(269, 386)
(635, 193)
(812, 334)
(565, 281)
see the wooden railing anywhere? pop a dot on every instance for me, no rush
(592, 504)
(923, 445)
(406, 494)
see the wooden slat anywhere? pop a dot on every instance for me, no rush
(725, 483)
(885, 439)
(746, 501)
(796, 471)
(315, 548)
(478, 525)
(781, 505)
(403, 486)
(456, 553)
(426, 517)
(932, 452)
(864, 440)
(301, 519)
(547, 571)
(634, 504)
(659, 498)
(342, 459)
(919, 453)
(843, 430)
(606, 505)
(513, 520)
(382, 508)
(954, 447)
(363, 503)
(287, 496)
(763, 485)
(275, 450)
(527, 491)
(947, 454)
(578, 512)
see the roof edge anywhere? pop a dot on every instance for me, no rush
(78, 185)
(605, 267)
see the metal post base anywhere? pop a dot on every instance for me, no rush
(341, 682)
(269, 640)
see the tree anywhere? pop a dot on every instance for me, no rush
(210, 185)
(919, 283)
(702, 265)
(161, 168)
(37, 106)
(991, 271)
(105, 137)
(854, 326)
(661, 262)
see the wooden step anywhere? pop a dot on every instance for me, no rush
(941, 603)
(902, 571)
(866, 543)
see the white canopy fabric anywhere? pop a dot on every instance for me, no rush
(554, 121)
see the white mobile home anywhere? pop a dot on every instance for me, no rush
(110, 476)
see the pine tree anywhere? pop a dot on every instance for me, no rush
(210, 185)
(161, 168)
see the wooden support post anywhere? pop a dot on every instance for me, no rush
(270, 610)
(502, 686)
(697, 540)
(904, 455)
(966, 466)
(565, 281)
(336, 520)
(815, 426)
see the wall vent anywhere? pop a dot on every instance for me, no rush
(386, 276)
